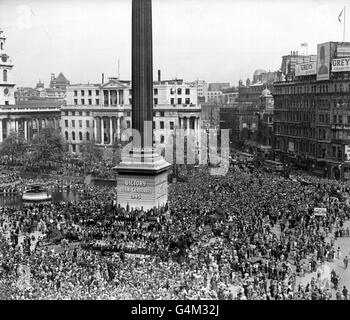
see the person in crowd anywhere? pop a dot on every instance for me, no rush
(247, 235)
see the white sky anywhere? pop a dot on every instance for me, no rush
(214, 40)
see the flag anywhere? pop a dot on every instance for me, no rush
(304, 44)
(340, 14)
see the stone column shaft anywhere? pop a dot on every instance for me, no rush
(25, 130)
(110, 131)
(102, 132)
(95, 130)
(118, 128)
(142, 67)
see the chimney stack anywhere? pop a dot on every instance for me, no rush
(103, 78)
(159, 78)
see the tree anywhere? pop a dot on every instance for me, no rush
(91, 153)
(14, 146)
(48, 146)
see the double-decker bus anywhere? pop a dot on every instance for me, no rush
(273, 165)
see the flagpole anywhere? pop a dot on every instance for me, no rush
(344, 26)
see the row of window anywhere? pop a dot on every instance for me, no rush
(80, 122)
(76, 147)
(179, 91)
(155, 91)
(73, 113)
(82, 101)
(179, 101)
(161, 125)
(87, 124)
(186, 101)
(308, 117)
(80, 135)
(82, 92)
(311, 133)
(313, 149)
(322, 88)
(310, 103)
(296, 116)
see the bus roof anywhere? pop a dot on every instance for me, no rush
(246, 154)
(272, 161)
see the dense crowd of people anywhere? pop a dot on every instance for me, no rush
(247, 235)
(67, 167)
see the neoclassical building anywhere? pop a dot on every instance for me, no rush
(25, 117)
(100, 113)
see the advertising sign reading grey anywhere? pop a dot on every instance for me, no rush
(305, 69)
(341, 64)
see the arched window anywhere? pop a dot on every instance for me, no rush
(66, 135)
(80, 136)
(2, 46)
(4, 75)
(161, 139)
(73, 135)
(87, 136)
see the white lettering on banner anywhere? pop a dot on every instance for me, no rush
(305, 69)
(320, 212)
(341, 64)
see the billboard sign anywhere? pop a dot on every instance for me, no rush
(305, 69)
(343, 50)
(341, 64)
(323, 61)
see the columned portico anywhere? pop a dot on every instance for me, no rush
(107, 129)
(22, 124)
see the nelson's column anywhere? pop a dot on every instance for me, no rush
(142, 179)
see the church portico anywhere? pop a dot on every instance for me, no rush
(26, 124)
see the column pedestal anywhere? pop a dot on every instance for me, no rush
(142, 179)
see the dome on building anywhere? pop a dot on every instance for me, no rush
(259, 72)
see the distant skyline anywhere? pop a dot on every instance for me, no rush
(212, 40)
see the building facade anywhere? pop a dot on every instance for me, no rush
(61, 82)
(265, 136)
(242, 119)
(100, 113)
(25, 117)
(312, 114)
(202, 90)
(7, 85)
